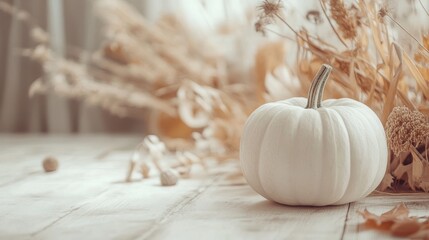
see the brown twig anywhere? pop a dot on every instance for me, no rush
(405, 30)
(290, 27)
(423, 6)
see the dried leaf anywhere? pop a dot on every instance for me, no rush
(386, 182)
(391, 93)
(268, 58)
(397, 222)
(281, 84)
(417, 75)
(405, 228)
(401, 170)
(417, 168)
(397, 213)
(374, 221)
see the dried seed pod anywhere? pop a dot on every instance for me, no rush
(168, 177)
(144, 169)
(50, 164)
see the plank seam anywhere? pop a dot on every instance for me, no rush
(65, 215)
(177, 208)
(19, 179)
(345, 222)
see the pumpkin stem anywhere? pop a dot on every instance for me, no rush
(317, 87)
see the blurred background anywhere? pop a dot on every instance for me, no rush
(75, 23)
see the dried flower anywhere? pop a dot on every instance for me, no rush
(260, 25)
(346, 22)
(270, 8)
(406, 129)
(383, 12)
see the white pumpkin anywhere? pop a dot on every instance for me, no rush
(304, 152)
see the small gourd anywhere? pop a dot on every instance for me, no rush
(307, 152)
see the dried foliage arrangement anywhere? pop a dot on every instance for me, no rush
(371, 67)
(397, 222)
(199, 96)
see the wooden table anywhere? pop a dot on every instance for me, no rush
(87, 199)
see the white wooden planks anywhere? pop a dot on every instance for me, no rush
(31, 200)
(225, 212)
(86, 199)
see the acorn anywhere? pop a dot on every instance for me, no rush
(50, 164)
(168, 177)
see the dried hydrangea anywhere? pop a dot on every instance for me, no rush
(406, 129)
